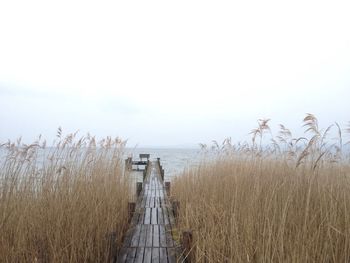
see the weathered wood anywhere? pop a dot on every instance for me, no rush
(160, 216)
(155, 255)
(156, 236)
(139, 162)
(131, 254)
(131, 210)
(148, 255)
(163, 257)
(144, 156)
(171, 216)
(162, 236)
(169, 236)
(139, 255)
(143, 236)
(187, 243)
(166, 215)
(149, 238)
(138, 188)
(167, 188)
(128, 164)
(162, 174)
(176, 207)
(147, 216)
(154, 220)
(136, 236)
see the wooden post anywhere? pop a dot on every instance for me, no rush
(131, 210)
(176, 206)
(128, 164)
(167, 188)
(159, 166)
(112, 246)
(138, 188)
(162, 173)
(187, 243)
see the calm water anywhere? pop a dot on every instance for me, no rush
(174, 161)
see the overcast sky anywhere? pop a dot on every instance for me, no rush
(166, 73)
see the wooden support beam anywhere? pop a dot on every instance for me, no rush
(128, 164)
(138, 188)
(187, 244)
(131, 210)
(176, 207)
(167, 188)
(162, 173)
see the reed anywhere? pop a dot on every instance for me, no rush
(66, 203)
(286, 201)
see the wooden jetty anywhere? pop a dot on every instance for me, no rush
(150, 237)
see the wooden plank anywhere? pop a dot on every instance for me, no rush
(160, 216)
(131, 255)
(154, 220)
(135, 218)
(141, 216)
(163, 258)
(136, 236)
(169, 236)
(148, 255)
(128, 237)
(149, 239)
(155, 235)
(171, 216)
(148, 202)
(143, 236)
(139, 255)
(162, 237)
(155, 255)
(147, 216)
(165, 216)
(144, 198)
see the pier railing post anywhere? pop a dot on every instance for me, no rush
(128, 164)
(176, 206)
(138, 188)
(167, 188)
(131, 210)
(187, 243)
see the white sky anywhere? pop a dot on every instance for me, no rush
(171, 72)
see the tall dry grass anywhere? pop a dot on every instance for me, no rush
(61, 203)
(288, 201)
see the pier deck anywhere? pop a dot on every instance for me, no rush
(150, 236)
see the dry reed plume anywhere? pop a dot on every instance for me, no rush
(287, 201)
(61, 203)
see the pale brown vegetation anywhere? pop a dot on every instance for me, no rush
(283, 202)
(61, 203)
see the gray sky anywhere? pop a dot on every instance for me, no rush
(171, 72)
